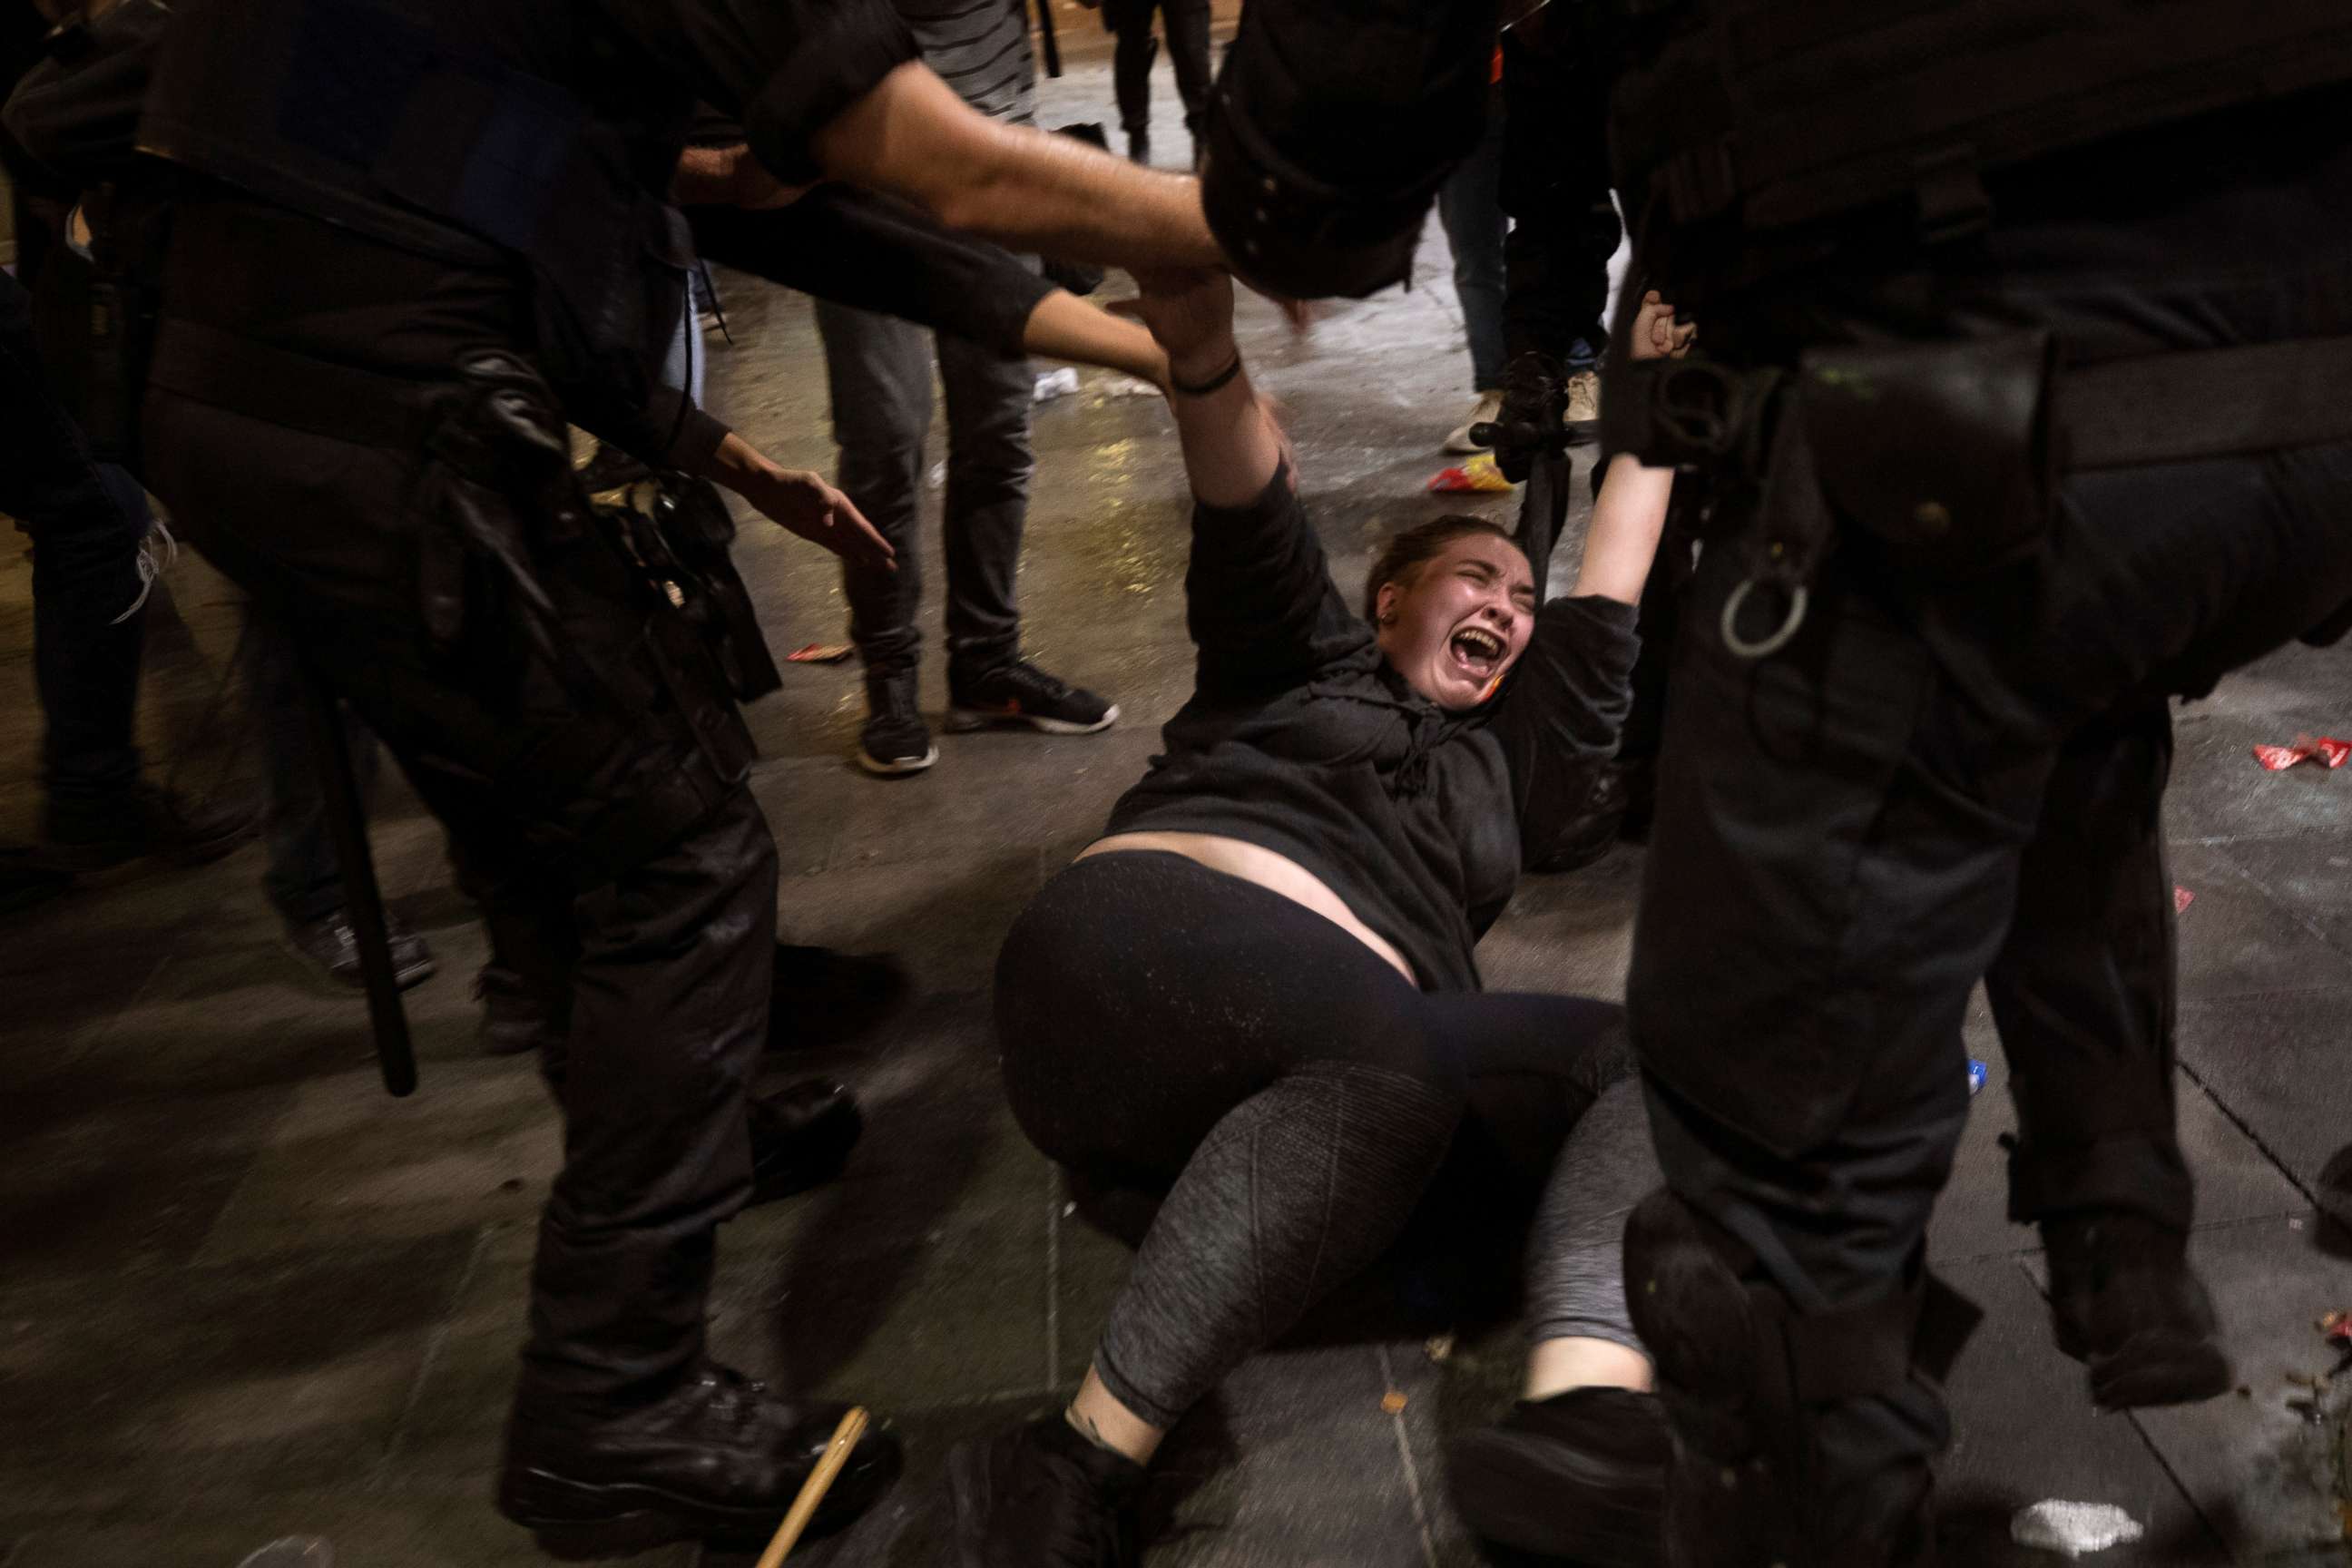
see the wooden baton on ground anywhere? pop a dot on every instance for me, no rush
(812, 1490)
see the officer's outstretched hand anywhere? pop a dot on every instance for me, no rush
(802, 504)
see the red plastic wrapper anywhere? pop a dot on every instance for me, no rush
(1479, 475)
(2181, 899)
(2336, 1328)
(2325, 749)
(820, 653)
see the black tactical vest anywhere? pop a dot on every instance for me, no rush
(1754, 116)
(482, 132)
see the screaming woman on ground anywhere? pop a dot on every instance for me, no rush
(1256, 993)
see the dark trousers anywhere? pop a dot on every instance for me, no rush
(303, 877)
(86, 519)
(590, 775)
(1186, 22)
(1470, 205)
(1944, 780)
(880, 369)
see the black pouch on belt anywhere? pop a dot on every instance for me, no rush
(1941, 453)
(497, 493)
(686, 549)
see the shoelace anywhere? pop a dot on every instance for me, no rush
(1025, 673)
(150, 568)
(737, 1401)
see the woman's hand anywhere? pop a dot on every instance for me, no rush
(1656, 335)
(1191, 313)
(801, 502)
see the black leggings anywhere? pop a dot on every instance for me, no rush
(1164, 1023)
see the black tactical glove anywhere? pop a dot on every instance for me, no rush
(1528, 423)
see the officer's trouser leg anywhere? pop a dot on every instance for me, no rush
(2083, 990)
(598, 796)
(669, 1006)
(1828, 879)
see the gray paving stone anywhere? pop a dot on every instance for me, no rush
(178, 1380)
(1295, 1462)
(2276, 1062)
(2236, 942)
(99, 1184)
(2308, 875)
(346, 1162)
(2218, 790)
(2023, 1431)
(956, 1312)
(2262, 1467)
(427, 1530)
(955, 922)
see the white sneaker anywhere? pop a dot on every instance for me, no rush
(1490, 403)
(1583, 390)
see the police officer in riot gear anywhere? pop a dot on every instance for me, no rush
(2027, 409)
(416, 238)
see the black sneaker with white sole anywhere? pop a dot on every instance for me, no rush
(1041, 1496)
(1579, 1476)
(1018, 692)
(895, 739)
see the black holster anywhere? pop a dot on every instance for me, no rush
(1940, 452)
(685, 547)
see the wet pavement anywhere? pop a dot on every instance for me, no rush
(244, 1295)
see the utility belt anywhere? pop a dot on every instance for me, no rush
(1946, 456)
(498, 500)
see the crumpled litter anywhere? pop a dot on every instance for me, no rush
(1126, 387)
(1976, 1076)
(2325, 749)
(2073, 1528)
(2181, 899)
(1479, 474)
(1054, 384)
(2336, 1328)
(820, 653)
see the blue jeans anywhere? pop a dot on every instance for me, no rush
(1470, 204)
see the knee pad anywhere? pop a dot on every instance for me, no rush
(1747, 1382)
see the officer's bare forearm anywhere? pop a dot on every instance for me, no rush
(1628, 516)
(913, 137)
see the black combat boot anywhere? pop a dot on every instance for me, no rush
(2128, 1307)
(1580, 1475)
(720, 1458)
(1743, 1488)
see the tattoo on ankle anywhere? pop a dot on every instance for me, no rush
(1084, 1426)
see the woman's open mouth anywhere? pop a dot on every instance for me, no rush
(1477, 652)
